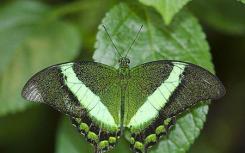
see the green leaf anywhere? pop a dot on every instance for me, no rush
(227, 17)
(243, 1)
(14, 21)
(27, 45)
(167, 8)
(182, 40)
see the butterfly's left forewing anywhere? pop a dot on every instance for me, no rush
(160, 90)
(88, 92)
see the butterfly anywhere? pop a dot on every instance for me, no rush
(103, 101)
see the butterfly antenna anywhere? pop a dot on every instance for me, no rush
(134, 40)
(112, 41)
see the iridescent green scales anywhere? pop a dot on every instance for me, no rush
(103, 102)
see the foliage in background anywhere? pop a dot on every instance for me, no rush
(243, 1)
(28, 43)
(166, 8)
(227, 17)
(36, 34)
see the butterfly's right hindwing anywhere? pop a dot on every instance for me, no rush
(88, 92)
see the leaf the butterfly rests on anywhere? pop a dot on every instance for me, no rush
(102, 101)
(183, 40)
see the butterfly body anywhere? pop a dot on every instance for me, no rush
(124, 76)
(103, 101)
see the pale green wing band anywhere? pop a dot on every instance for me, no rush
(88, 100)
(157, 100)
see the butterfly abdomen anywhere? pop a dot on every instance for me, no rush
(124, 75)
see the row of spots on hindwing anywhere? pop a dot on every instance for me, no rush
(101, 139)
(145, 139)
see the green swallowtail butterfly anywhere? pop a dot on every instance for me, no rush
(103, 101)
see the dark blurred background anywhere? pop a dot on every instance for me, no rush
(33, 129)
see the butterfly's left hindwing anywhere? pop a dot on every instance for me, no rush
(160, 90)
(88, 92)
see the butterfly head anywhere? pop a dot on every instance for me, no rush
(124, 62)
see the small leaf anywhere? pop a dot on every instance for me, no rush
(243, 1)
(27, 45)
(227, 18)
(167, 8)
(183, 40)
